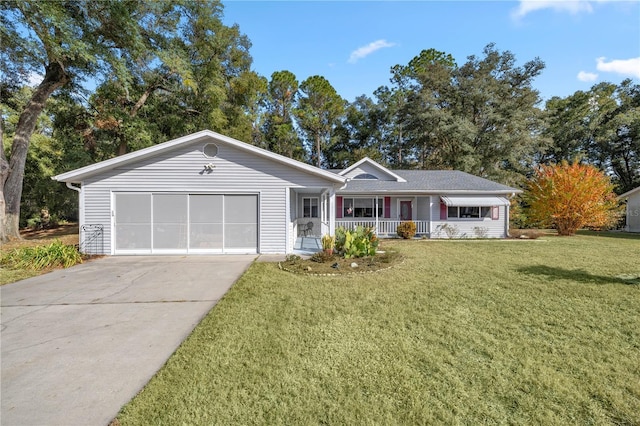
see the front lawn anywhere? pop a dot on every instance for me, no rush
(540, 331)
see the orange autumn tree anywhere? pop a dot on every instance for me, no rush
(570, 197)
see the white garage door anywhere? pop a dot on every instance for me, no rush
(185, 223)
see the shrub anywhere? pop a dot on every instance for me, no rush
(451, 231)
(321, 257)
(358, 243)
(406, 229)
(54, 255)
(328, 242)
(292, 258)
(481, 231)
(531, 234)
(572, 196)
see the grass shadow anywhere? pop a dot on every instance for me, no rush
(611, 234)
(579, 275)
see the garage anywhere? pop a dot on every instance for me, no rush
(177, 223)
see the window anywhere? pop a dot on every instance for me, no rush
(361, 207)
(464, 212)
(310, 207)
(366, 176)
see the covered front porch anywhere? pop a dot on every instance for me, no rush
(384, 212)
(311, 217)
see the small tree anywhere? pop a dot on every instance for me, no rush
(570, 197)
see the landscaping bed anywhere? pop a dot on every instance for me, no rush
(338, 265)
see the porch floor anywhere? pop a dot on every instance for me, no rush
(308, 244)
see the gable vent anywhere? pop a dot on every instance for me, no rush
(210, 150)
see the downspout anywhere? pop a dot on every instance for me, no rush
(506, 209)
(80, 205)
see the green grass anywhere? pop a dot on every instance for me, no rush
(475, 332)
(12, 275)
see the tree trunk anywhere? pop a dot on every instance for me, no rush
(4, 173)
(318, 150)
(55, 77)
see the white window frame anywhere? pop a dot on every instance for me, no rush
(487, 213)
(376, 213)
(311, 215)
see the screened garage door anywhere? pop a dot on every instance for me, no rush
(185, 223)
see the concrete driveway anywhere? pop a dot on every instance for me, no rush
(77, 344)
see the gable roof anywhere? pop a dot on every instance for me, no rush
(375, 165)
(430, 181)
(78, 175)
(628, 193)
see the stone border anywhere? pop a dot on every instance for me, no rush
(282, 268)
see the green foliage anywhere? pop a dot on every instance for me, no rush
(600, 126)
(279, 133)
(54, 255)
(406, 229)
(319, 109)
(480, 117)
(360, 242)
(321, 257)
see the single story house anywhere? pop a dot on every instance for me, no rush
(633, 209)
(209, 193)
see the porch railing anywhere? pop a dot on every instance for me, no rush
(385, 226)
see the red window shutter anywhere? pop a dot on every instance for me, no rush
(495, 212)
(443, 211)
(387, 207)
(338, 207)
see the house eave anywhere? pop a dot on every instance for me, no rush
(429, 192)
(628, 193)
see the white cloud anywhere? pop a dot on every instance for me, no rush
(367, 50)
(587, 76)
(628, 67)
(573, 7)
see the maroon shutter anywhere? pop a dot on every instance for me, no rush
(338, 207)
(387, 207)
(443, 211)
(495, 212)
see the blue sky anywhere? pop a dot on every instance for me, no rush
(354, 44)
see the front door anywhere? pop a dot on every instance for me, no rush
(405, 210)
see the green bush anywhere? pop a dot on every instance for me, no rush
(406, 229)
(321, 257)
(54, 255)
(358, 243)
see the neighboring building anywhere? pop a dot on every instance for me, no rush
(208, 193)
(633, 209)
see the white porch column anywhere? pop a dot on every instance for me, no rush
(375, 209)
(332, 211)
(288, 248)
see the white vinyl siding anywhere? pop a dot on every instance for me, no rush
(633, 212)
(181, 171)
(484, 227)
